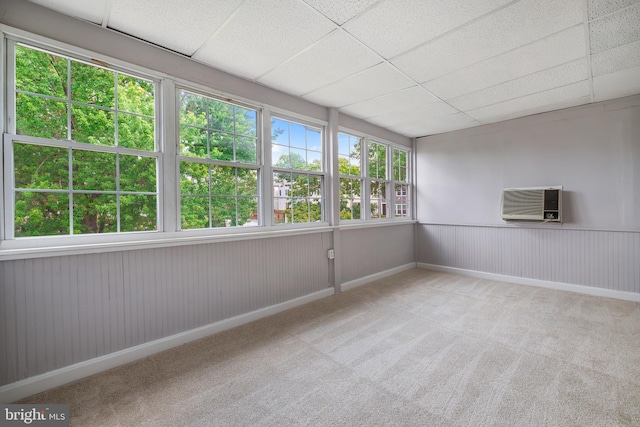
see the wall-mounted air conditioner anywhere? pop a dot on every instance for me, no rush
(532, 204)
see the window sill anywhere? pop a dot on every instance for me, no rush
(12, 250)
(376, 223)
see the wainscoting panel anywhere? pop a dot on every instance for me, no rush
(603, 259)
(366, 251)
(59, 311)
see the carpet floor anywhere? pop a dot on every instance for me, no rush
(419, 348)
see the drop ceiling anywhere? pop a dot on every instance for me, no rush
(415, 67)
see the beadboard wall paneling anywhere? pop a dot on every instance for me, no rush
(603, 259)
(58, 311)
(366, 251)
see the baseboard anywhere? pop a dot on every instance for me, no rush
(39, 383)
(370, 278)
(588, 290)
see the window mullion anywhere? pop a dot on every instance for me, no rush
(267, 183)
(168, 167)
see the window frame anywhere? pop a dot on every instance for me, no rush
(322, 174)
(10, 138)
(359, 178)
(258, 166)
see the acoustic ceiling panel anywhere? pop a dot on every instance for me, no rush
(435, 125)
(531, 104)
(89, 10)
(375, 81)
(403, 100)
(188, 25)
(340, 11)
(617, 59)
(548, 52)
(558, 76)
(395, 26)
(437, 109)
(519, 24)
(263, 34)
(599, 8)
(333, 58)
(616, 29)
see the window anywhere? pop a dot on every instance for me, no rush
(401, 181)
(219, 170)
(351, 180)
(84, 156)
(378, 180)
(298, 172)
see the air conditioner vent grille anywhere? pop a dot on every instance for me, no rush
(532, 204)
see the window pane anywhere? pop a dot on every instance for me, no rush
(40, 72)
(92, 85)
(248, 211)
(93, 170)
(343, 145)
(246, 120)
(194, 212)
(314, 160)
(40, 117)
(350, 198)
(41, 214)
(138, 212)
(92, 125)
(193, 142)
(280, 132)
(301, 210)
(300, 185)
(378, 200)
(221, 116)
(94, 213)
(40, 167)
(137, 173)
(401, 200)
(223, 180)
(246, 149)
(221, 146)
(136, 132)
(193, 109)
(247, 182)
(297, 159)
(194, 179)
(297, 135)
(314, 140)
(281, 156)
(224, 212)
(136, 95)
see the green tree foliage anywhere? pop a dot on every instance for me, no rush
(304, 191)
(88, 111)
(213, 194)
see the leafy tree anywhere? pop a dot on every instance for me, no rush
(43, 110)
(303, 189)
(223, 194)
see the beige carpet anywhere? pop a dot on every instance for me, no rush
(420, 348)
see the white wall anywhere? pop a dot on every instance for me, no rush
(593, 151)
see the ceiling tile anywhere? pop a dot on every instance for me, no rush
(616, 85)
(340, 11)
(375, 81)
(543, 101)
(333, 58)
(89, 10)
(561, 75)
(616, 29)
(519, 24)
(402, 100)
(551, 51)
(599, 8)
(405, 24)
(262, 35)
(185, 29)
(436, 125)
(616, 59)
(437, 109)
